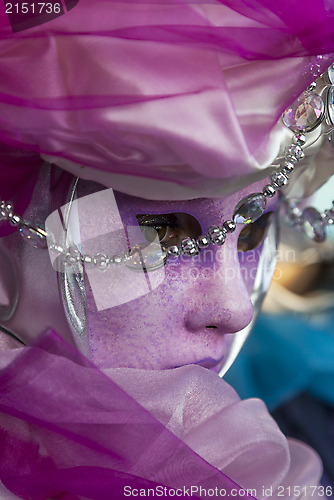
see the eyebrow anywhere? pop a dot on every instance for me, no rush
(156, 219)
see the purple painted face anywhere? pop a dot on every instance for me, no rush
(193, 305)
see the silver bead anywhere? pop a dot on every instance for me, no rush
(116, 259)
(173, 251)
(328, 215)
(202, 241)
(312, 86)
(72, 257)
(292, 216)
(15, 220)
(6, 210)
(229, 226)
(217, 235)
(189, 246)
(269, 191)
(299, 139)
(100, 261)
(279, 180)
(69, 259)
(87, 259)
(287, 167)
(57, 249)
(294, 153)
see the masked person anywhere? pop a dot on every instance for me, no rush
(154, 186)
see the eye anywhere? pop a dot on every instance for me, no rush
(170, 228)
(253, 234)
(165, 233)
(161, 225)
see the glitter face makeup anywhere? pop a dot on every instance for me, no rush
(192, 314)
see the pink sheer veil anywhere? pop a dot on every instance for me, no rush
(74, 430)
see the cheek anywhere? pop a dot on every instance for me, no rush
(142, 333)
(166, 328)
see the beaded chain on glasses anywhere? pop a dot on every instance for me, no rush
(306, 114)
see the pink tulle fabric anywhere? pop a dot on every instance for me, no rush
(69, 431)
(158, 99)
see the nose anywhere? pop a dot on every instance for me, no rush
(218, 296)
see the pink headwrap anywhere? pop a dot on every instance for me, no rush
(173, 100)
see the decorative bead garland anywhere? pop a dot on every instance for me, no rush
(311, 110)
(248, 210)
(309, 221)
